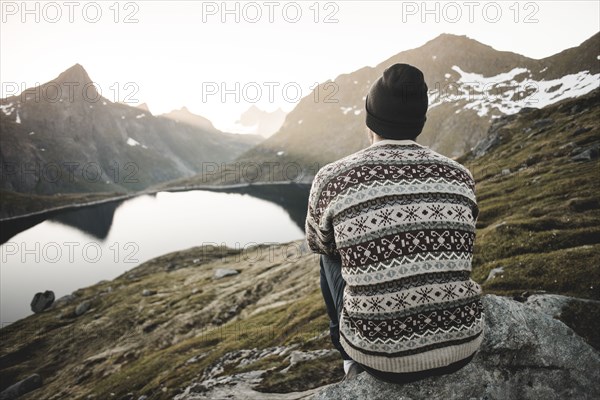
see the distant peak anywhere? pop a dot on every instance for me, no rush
(74, 74)
(446, 37)
(144, 106)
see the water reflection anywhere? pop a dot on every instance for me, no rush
(292, 197)
(96, 220)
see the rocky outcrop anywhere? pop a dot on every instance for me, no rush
(22, 387)
(555, 304)
(525, 355)
(42, 301)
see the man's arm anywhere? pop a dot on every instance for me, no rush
(319, 227)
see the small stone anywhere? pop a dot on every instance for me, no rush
(148, 292)
(582, 130)
(567, 145)
(494, 272)
(586, 155)
(505, 172)
(542, 122)
(223, 272)
(42, 301)
(82, 308)
(575, 109)
(171, 266)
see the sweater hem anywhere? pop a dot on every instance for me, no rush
(436, 358)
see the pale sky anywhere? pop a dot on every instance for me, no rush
(182, 53)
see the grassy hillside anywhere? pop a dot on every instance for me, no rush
(540, 206)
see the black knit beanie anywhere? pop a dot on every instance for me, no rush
(397, 103)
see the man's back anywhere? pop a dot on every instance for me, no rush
(402, 218)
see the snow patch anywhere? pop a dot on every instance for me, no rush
(300, 122)
(103, 103)
(346, 110)
(434, 57)
(142, 115)
(505, 95)
(132, 142)
(7, 109)
(447, 76)
(122, 117)
(31, 133)
(474, 77)
(280, 153)
(18, 120)
(357, 112)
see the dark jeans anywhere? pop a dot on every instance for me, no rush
(332, 287)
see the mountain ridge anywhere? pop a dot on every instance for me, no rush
(320, 132)
(64, 126)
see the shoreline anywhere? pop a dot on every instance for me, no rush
(213, 188)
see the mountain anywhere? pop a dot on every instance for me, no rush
(262, 122)
(185, 116)
(470, 84)
(65, 137)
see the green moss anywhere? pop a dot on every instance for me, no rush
(567, 271)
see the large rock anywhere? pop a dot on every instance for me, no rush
(20, 388)
(554, 304)
(42, 301)
(525, 355)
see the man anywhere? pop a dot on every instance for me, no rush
(395, 224)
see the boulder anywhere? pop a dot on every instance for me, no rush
(42, 301)
(525, 354)
(82, 307)
(15, 391)
(585, 155)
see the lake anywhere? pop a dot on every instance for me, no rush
(78, 248)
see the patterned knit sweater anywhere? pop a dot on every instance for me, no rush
(402, 218)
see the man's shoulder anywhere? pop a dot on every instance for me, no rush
(396, 154)
(333, 169)
(451, 162)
